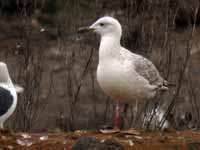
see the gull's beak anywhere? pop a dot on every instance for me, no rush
(86, 29)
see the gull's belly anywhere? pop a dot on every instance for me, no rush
(118, 83)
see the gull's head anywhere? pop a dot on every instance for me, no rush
(4, 75)
(105, 26)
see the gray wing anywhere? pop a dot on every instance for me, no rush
(146, 68)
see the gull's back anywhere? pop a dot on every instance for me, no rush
(6, 100)
(144, 68)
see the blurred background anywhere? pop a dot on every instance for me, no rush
(57, 66)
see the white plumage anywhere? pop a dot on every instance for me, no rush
(123, 75)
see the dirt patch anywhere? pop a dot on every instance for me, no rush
(187, 140)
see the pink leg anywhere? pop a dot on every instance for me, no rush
(118, 122)
(118, 118)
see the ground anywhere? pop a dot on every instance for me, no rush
(169, 140)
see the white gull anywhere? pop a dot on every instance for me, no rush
(123, 75)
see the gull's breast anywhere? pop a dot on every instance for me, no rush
(120, 82)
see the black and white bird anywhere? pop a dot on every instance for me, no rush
(123, 75)
(8, 94)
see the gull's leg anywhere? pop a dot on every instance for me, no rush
(118, 118)
(118, 121)
(4, 131)
(1, 125)
(132, 130)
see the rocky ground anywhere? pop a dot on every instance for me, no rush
(168, 140)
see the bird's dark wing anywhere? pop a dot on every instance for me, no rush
(6, 100)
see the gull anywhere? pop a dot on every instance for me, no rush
(123, 75)
(8, 94)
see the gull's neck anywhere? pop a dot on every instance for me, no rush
(5, 77)
(109, 47)
(9, 82)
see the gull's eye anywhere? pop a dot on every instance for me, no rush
(101, 24)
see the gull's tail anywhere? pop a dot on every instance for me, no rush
(168, 84)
